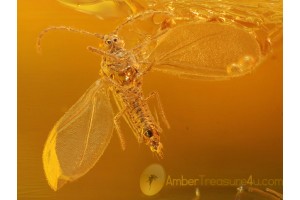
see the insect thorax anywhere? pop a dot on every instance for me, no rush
(123, 71)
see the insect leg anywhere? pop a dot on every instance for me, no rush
(101, 52)
(160, 107)
(118, 129)
(145, 67)
(112, 83)
(148, 40)
(138, 51)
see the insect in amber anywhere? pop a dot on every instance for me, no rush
(192, 49)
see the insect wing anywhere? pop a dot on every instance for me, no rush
(206, 51)
(79, 138)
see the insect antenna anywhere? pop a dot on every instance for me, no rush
(65, 28)
(137, 16)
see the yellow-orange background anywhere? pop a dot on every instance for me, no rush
(225, 129)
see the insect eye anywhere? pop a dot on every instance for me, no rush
(149, 133)
(115, 40)
(108, 42)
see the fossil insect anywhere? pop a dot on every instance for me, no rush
(194, 50)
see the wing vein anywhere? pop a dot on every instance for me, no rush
(176, 50)
(88, 133)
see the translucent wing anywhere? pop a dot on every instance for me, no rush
(212, 39)
(79, 138)
(206, 51)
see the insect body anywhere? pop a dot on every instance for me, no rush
(192, 49)
(80, 137)
(125, 75)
